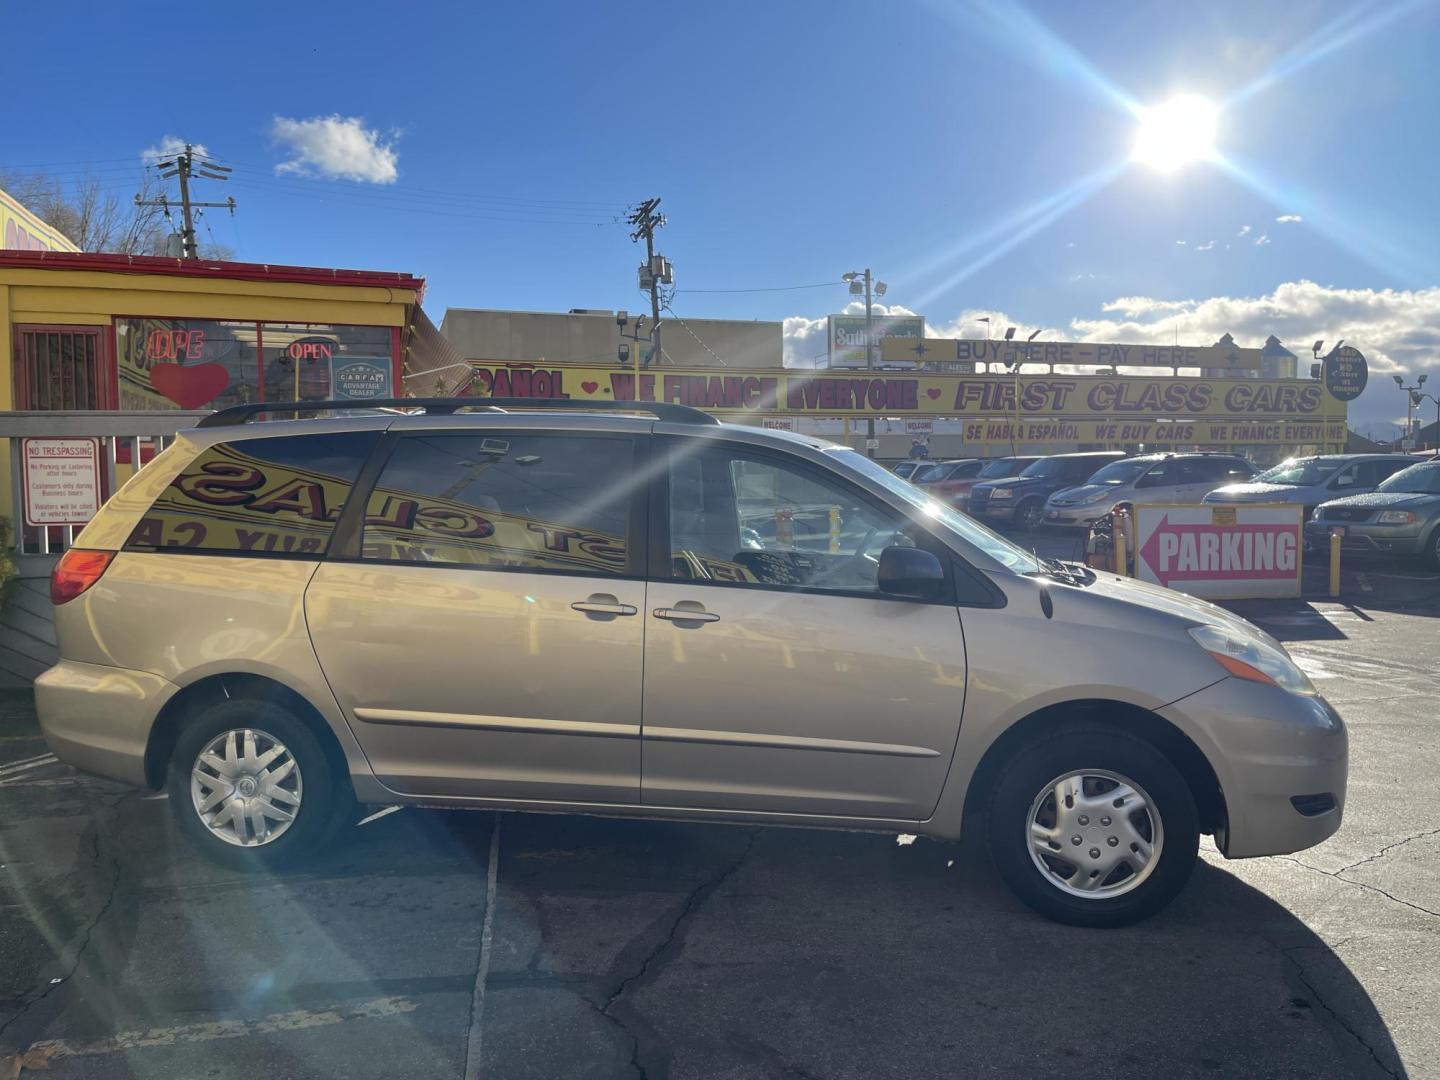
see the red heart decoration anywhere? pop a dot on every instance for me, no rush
(189, 387)
(589, 387)
(932, 394)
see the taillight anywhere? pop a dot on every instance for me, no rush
(76, 571)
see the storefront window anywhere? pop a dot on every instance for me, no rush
(209, 364)
(185, 363)
(309, 362)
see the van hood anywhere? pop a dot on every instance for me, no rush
(1157, 598)
(1072, 496)
(1252, 493)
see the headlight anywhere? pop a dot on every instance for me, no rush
(1094, 497)
(1002, 493)
(1396, 517)
(1248, 658)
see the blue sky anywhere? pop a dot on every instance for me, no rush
(946, 144)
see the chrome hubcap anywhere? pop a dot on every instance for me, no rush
(246, 787)
(1094, 834)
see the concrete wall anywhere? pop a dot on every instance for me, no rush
(560, 338)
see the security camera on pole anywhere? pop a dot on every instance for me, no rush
(871, 288)
(1413, 397)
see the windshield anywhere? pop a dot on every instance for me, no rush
(1301, 472)
(992, 544)
(1000, 468)
(1422, 479)
(1121, 472)
(928, 472)
(1045, 467)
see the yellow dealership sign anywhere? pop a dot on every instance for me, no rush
(895, 350)
(997, 408)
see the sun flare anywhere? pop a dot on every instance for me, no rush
(1176, 133)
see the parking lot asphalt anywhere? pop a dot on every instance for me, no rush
(469, 944)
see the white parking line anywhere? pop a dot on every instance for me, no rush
(482, 970)
(25, 764)
(39, 1054)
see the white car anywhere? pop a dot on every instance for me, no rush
(1151, 478)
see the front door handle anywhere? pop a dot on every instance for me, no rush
(695, 614)
(603, 604)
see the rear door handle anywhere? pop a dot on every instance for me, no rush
(603, 604)
(686, 614)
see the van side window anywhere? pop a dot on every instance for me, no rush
(504, 500)
(751, 519)
(271, 497)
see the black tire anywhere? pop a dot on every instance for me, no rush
(1039, 762)
(1030, 514)
(326, 806)
(1433, 548)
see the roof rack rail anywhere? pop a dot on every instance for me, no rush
(236, 415)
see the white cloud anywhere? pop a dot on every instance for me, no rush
(168, 147)
(1205, 246)
(1262, 239)
(1397, 330)
(1180, 242)
(1243, 230)
(336, 147)
(1285, 219)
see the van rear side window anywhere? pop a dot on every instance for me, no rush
(277, 497)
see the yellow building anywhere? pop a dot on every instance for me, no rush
(20, 230)
(119, 333)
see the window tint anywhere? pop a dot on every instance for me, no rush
(504, 500)
(755, 520)
(1387, 469)
(262, 497)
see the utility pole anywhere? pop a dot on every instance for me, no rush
(185, 166)
(655, 272)
(873, 288)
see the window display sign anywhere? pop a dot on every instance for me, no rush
(360, 378)
(62, 480)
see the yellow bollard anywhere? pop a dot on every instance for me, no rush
(834, 530)
(1121, 563)
(1334, 564)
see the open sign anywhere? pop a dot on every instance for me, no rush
(310, 350)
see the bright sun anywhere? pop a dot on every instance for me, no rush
(1176, 133)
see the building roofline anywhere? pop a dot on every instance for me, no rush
(208, 268)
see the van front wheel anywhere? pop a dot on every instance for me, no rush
(250, 784)
(1093, 828)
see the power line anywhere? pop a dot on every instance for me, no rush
(184, 166)
(772, 288)
(696, 336)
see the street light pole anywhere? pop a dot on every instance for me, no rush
(1421, 397)
(1412, 398)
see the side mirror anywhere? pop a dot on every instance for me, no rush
(908, 571)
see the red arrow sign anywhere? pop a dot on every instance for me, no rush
(1183, 551)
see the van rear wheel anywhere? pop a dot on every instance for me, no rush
(1093, 827)
(252, 787)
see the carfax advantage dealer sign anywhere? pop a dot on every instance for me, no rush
(1220, 552)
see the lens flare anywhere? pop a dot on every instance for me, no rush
(1176, 133)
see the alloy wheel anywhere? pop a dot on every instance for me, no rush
(1094, 834)
(245, 785)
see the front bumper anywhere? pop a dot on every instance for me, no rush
(993, 511)
(1073, 515)
(1269, 747)
(98, 719)
(1368, 538)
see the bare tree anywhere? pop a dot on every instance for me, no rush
(96, 220)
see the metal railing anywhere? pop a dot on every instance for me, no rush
(123, 436)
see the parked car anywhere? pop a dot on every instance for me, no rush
(275, 621)
(1021, 499)
(995, 469)
(1400, 517)
(1151, 478)
(906, 468)
(945, 479)
(1310, 481)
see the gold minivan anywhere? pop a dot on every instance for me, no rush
(539, 607)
